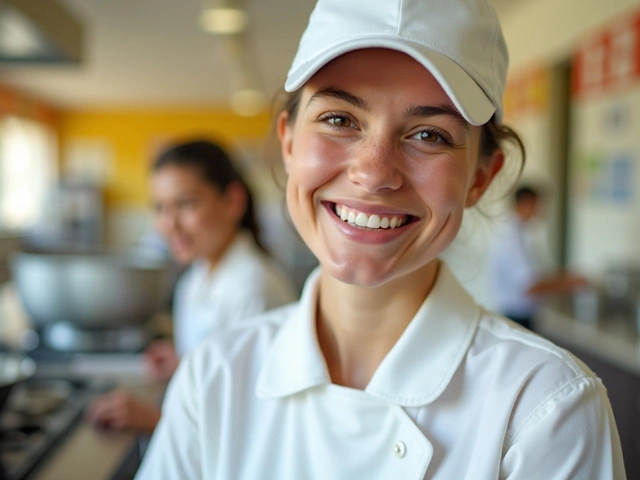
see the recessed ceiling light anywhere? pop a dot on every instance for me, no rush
(223, 21)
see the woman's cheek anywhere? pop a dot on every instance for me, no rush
(318, 157)
(199, 223)
(440, 181)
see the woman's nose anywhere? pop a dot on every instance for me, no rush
(168, 221)
(375, 166)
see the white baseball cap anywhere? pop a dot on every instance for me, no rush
(459, 41)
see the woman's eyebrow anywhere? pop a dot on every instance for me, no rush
(414, 111)
(435, 110)
(340, 95)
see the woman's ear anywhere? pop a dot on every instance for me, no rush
(285, 134)
(236, 197)
(485, 172)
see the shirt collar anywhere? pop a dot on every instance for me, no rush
(239, 247)
(416, 370)
(295, 361)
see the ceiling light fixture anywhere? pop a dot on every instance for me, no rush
(30, 33)
(223, 21)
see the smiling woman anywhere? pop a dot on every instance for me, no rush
(396, 147)
(387, 368)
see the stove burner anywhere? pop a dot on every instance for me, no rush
(38, 415)
(39, 398)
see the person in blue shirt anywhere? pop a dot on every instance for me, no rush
(518, 279)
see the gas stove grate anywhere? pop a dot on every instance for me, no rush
(26, 440)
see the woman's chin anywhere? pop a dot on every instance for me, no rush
(183, 256)
(364, 274)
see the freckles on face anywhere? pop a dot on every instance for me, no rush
(376, 136)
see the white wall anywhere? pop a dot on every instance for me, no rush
(547, 30)
(605, 187)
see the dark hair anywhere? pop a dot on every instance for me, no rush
(525, 193)
(494, 136)
(216, 167)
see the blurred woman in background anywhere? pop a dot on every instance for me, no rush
(204, 210)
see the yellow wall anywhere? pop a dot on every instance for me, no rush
(135, 136)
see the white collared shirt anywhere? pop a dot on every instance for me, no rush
(464, 394)
(244, 283)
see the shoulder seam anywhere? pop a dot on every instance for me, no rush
(574, 382)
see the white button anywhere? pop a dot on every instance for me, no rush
(399, 449)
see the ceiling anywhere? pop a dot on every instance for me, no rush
(152, 52)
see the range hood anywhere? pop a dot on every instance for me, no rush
(39, 31)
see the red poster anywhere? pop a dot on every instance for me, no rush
(609, 60)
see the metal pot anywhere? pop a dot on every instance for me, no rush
(91, 291)
(13, 370)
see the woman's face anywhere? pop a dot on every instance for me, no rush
(380, 166)
(195, 218)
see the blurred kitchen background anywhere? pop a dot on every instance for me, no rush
(92, 90)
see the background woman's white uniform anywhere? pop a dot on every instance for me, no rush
(244, 283)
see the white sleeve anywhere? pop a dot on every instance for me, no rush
(174, 451)
(571, 436)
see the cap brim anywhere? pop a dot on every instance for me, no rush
(470, 100)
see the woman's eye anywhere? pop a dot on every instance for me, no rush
(427, 136)
(338, 121)
(431, 136)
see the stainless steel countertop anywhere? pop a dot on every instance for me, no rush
(612, 338)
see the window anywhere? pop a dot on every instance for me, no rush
(27, 171)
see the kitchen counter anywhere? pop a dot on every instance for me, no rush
(611, 338)
(90, 453)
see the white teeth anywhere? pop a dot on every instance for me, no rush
(374, 221)
(362, 219)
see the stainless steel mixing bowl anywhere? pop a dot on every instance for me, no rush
(92, 291)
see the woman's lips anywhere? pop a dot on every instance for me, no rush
(179, 245)
(369, 235)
